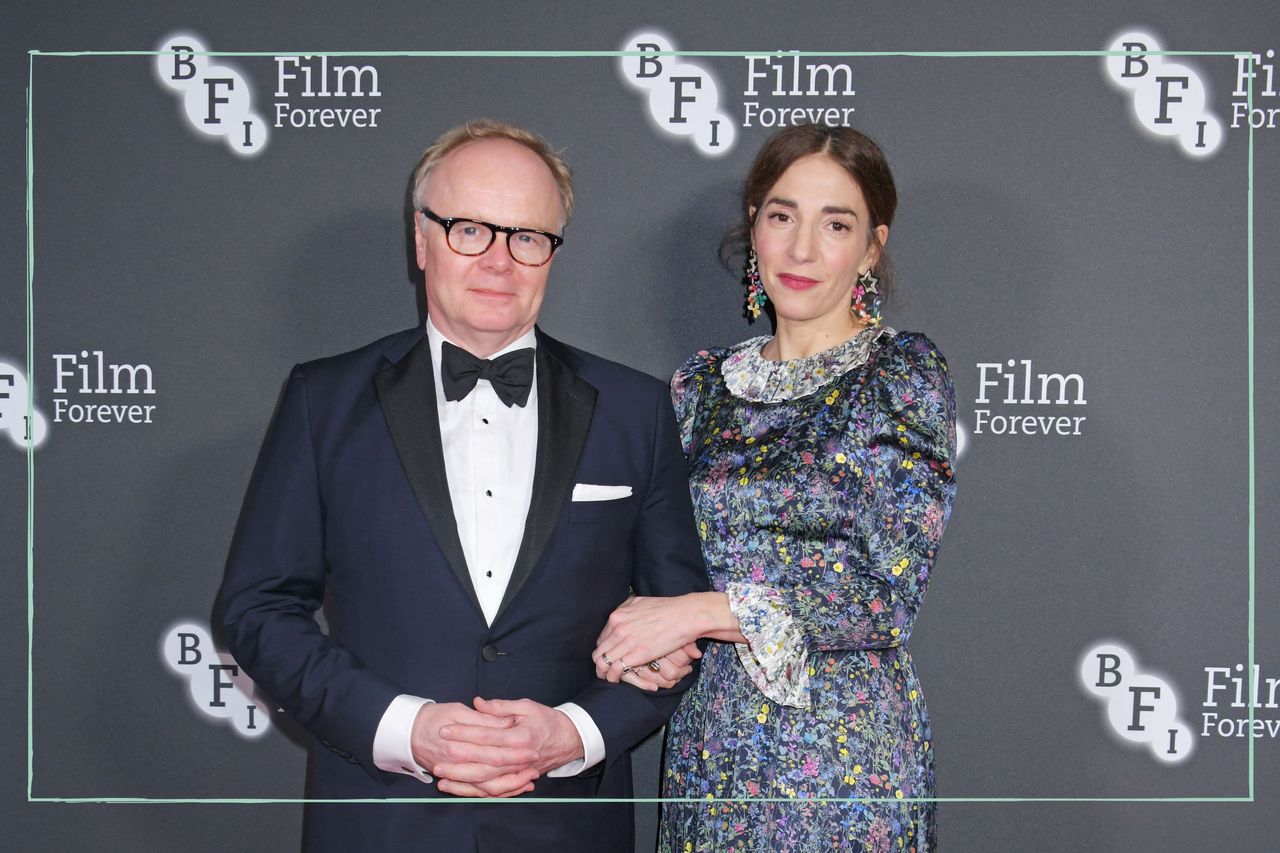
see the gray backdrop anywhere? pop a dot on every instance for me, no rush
(1039, 220)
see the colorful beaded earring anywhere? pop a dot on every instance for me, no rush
(756, 297)
(866, 286)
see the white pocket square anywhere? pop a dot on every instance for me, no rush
(590, 492)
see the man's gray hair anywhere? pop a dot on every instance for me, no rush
(484, 128)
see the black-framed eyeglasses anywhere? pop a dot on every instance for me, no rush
(527, 246)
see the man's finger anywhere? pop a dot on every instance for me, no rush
(507, 707)
(461, 752)
(471, 717)
(509, 785)
(465, 789)
(477, 773)
(513, 739)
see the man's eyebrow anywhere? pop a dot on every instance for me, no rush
(829, 208)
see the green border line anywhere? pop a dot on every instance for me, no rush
(1249, 337)
(616, 54)
(31, 450)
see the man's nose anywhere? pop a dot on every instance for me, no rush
(498, 256)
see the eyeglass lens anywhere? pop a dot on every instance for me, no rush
(474, 238)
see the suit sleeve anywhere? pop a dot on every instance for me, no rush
(668, 561)
(275, 582)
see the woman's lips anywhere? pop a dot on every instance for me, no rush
(797, 282)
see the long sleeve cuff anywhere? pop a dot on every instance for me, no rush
(775, 655)
(592, 741)
(393, 741)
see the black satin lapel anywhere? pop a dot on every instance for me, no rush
(406, 391)
(565, 406)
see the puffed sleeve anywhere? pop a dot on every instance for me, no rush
(687, 388)
(906, 487)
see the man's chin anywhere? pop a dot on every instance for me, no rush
(493, 325)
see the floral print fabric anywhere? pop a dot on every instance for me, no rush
(776, 658)
(821, 488)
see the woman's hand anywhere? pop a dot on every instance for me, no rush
(658, 630)
(671, 669)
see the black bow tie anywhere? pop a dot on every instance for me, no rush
(511, 375)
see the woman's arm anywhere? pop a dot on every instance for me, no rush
(647, 629)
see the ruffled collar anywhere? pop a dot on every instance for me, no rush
(751, 376)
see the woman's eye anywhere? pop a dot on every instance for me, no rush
(840, 226)
(780, 216)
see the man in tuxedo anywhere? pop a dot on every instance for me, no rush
(470, 500)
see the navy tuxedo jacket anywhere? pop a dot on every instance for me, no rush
(349, 507)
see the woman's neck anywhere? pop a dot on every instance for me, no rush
(802, 339)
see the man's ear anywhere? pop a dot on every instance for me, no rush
(419, 239)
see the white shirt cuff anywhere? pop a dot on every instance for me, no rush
(393, 741)
(592, 741)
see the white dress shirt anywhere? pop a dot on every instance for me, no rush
(489, 454)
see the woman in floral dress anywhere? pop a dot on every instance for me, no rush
(820, 468)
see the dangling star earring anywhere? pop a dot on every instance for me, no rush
(866, 286)
(756, 297)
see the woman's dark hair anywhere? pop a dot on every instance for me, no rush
(855, 152)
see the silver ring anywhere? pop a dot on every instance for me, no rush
(605, 658)
(625, 668)
(654, 665)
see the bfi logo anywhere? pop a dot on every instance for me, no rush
(1141, 707)
(216, 99)
(216, 684)
(1169, 98)
(683, 99)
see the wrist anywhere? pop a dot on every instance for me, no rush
(568, 745)
(714, 615)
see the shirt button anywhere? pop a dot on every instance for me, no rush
(484, 420)
(488, 574)
(488, 493)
